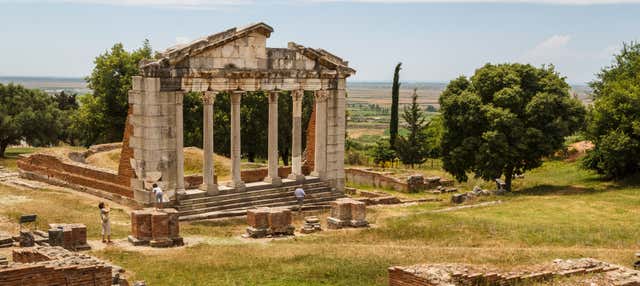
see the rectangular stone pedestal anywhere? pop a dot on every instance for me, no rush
(265, 222)
(156, 228)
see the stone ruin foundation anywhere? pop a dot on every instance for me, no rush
(267, 222)
(347, 212)
(69, 236)
(311, 225)
(46, 265)
(589, 271)
(156, 228)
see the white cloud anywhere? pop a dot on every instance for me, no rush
(548, 50)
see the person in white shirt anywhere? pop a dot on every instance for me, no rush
(106, 224)
(157, 191)
(299, 194)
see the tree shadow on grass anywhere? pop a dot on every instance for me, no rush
(562, 190)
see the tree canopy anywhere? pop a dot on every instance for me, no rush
(411, 148)
(395, 102)
(613, 122)
(505, 119)
(27, 114)
(102, 115)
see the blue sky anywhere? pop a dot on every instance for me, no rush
(435, 40)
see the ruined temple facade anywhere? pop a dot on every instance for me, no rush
(235, 61)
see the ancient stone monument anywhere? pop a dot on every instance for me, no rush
(235, 61)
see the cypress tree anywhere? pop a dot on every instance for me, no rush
(395, 98)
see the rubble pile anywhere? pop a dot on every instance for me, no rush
(311, 225)
(458, 274)
(54, 265)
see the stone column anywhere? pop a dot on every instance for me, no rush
(320, 156)
(296, 137)
(208, 171)
(236, 180)
(272, 175)
(179, 146)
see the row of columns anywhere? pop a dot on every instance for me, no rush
(208, 99)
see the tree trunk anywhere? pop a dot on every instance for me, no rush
(285, 157)
(508, 177)
(3, 147)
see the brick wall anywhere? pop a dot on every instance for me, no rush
(75, 173)
(126, 154)
(399, 277)
(35, 268)
(310, 149)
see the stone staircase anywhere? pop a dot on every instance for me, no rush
(196, 205)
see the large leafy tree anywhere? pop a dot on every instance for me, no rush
(103, 114)
(410, 148)
(505, 119)
(68, 104)
(285, 114)
(29, 115)
(613, 123)
(395, 102)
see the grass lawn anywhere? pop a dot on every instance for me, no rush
(11, 156)
(557, 211)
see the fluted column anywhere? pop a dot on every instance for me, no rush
(179, 146)
(296, 136)
(272, 171)
(208, 98)
(320, 156)
(236, 180)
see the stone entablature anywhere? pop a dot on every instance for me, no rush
(235, 61)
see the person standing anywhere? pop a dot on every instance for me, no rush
(106, 224)
(299, 194)
(157, 191)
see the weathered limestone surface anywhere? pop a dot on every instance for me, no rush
(157, 228)
(269, 221)
(347, 212)
(234, 61)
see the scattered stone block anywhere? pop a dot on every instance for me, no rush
(347, 213)
(265, 222)
(26, 239)
(141, 224)
(311, 225)
(6, 241)
(69, 236)
(156, 228)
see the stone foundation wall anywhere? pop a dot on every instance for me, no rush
(55, 169)
(370, 178)
(42, 267)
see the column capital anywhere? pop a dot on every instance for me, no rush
(273, 96)
(321, 95)
(236, 96)
(297, 94)
(209, 97)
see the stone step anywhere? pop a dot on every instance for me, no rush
(203, 198)
(255, 203)
(214, 201)
(324, 203)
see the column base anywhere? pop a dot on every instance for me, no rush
(317, 174)
(212, 189)
(296, 177)
(238, 185)
(276, 181)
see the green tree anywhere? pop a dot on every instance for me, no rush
(285, 114)
(105, 111)
(395, 101)
(613, 122)
(410, 149)
(505, 119)
(433, 137)
(29, 115)
(67, 104)
(382, 153)
(192, 119)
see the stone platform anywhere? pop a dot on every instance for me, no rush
(198, 205)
